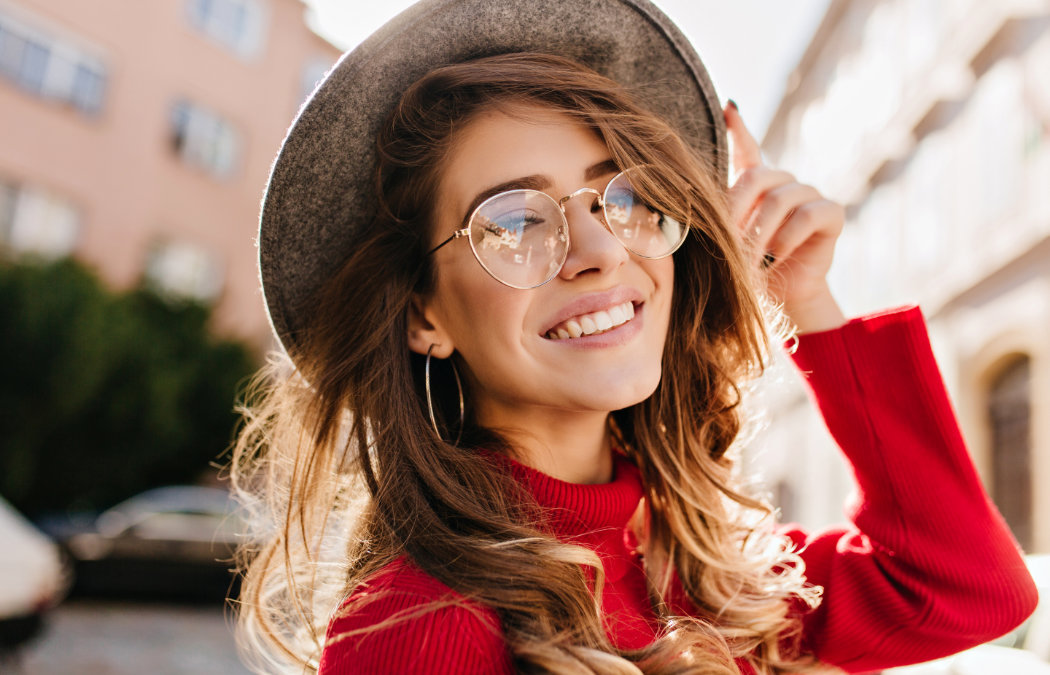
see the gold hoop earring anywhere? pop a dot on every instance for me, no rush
(430, 402)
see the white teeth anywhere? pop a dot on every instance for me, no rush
(595, 322)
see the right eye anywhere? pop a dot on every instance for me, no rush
(517, 221)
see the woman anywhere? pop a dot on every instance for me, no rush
(512, 452)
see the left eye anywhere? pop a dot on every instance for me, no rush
(622, 197)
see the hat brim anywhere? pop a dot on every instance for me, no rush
(320, 188)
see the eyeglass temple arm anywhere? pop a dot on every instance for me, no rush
(455, 235)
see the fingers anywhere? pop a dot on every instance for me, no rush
(809, 225)
(787, 216)
(746, 194)
(744, 151)
(777, 206)
(789, 228)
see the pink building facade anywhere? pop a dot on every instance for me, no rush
(137, 137)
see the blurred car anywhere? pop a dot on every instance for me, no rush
(1023, 651)
(32, 579)
(168, 543)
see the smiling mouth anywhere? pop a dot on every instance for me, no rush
(594, 323)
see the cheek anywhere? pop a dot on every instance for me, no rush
(663, 276)
(482, 317)
(490, 343)
(662, 273)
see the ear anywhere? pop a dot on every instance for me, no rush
(424, 330)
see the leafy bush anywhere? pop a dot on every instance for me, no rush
(105, 394)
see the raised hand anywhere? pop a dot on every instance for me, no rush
(789, 228)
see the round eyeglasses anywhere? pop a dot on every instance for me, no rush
(521, 237)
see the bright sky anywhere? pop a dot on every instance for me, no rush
(748, 46)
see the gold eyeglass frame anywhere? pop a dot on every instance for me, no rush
(560, 203)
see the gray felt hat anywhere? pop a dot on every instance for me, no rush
(320, 190)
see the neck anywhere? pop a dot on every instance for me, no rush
(573, 446)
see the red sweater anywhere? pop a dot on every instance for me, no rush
(927, 567)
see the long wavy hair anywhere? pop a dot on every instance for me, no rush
(338, 458)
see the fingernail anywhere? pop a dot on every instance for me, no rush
(768, 259)
(733, 104)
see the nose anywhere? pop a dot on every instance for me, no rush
(592, 247)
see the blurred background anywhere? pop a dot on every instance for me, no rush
(135, 142)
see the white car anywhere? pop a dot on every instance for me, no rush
(33, 578)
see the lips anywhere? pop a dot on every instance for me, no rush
(595, 313)
(593, 323)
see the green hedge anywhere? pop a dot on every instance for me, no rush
(106, 394)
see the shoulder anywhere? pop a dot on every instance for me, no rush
(405, 621)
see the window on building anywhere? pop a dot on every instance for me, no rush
(881, 224)
(8, 194)
(184, 271)
(1010, 418)
(88, 87)
(928, 197)
(1037, 96)
(998, 137)
(204, 139)
(923, 27)
(238, 25)
(37, 222)
(33, 66)
(49, 67)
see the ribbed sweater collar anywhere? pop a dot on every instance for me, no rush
(576, 509)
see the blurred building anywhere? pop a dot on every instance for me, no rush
(930, 121)
(137, 136)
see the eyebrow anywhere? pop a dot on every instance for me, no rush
(536, 182)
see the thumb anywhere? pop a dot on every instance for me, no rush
(744, 151)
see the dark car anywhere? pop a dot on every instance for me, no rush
(169, 543)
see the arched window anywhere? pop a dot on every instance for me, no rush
(1009, 415)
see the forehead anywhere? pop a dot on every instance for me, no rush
(510, 142)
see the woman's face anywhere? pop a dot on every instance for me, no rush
(516, 370)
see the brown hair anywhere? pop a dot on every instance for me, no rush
(347, 464)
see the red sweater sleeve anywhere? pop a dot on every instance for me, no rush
(930, 567)
(405, 636)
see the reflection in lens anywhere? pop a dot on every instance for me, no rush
(519, 237)
(643, 230)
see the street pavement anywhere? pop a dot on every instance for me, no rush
(84, 637)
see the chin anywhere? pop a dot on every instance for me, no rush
(620, 393)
